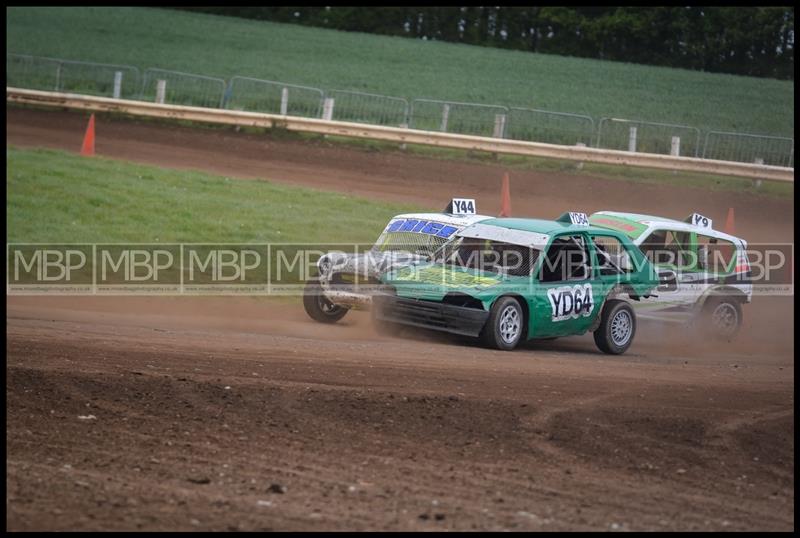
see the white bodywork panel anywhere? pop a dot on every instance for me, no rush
(507, 235)
(655, 223)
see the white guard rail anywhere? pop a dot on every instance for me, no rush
(400, 135)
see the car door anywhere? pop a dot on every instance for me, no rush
(613, 262)
(674, 254)
(565, 301)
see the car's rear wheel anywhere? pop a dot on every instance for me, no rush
(722, 317)
(617, 328)
(505, 326)
(319, 307)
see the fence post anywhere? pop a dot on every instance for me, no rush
(227, 93)
(161, 91)
(403, 126)
(632, 140)
(58, 77)
(579, 166)
(445, 115)
(675, 150)
(327, 108)
(757, 182)
(284, 101)
(117, 84)
(499, 126)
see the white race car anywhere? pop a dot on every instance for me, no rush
(704, 274)
(347, 280)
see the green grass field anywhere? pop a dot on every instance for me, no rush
(222, 46)
(54, 196)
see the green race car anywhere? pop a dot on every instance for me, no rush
(506, 280)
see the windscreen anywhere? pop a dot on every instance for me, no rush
(416, 236)
(491, 256)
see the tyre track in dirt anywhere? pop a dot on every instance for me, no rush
(369, 432)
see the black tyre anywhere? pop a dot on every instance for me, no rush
(721, 318)
(506, 325)
(617, 328)
(318, 306)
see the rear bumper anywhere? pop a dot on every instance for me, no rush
(429, 315)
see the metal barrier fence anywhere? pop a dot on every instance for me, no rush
(105, 80)
(370, 108)
(32, 72)
(648, 137)
(749, 148)
(256, 95)
(549, 127)
(497, 121)
(460, 118)
(174, 87)
(85, 103)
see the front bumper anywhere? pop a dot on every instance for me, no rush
(348, 298)
(429, 314)
(350, 290)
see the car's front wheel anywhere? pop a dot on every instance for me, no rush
(319, 307)
(505, 326)
(617, 328)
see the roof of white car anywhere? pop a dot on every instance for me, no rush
(672, 224)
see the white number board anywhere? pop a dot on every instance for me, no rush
(463, 206)
(579, 219)
(700, 220)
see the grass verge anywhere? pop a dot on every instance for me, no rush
(53, 196)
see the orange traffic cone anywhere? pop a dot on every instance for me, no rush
(729, 228)
(505, 196)
(87, 150)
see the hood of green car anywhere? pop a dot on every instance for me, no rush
(433, 281)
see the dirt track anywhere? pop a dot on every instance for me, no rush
(203, 404)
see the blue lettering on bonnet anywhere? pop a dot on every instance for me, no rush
(421, 226)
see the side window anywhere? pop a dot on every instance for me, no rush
(653, 245)
(667, 247)
(566, 259)
(612, 256)
(714, 255)
(680, 244)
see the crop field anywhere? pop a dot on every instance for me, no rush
(223, 47)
